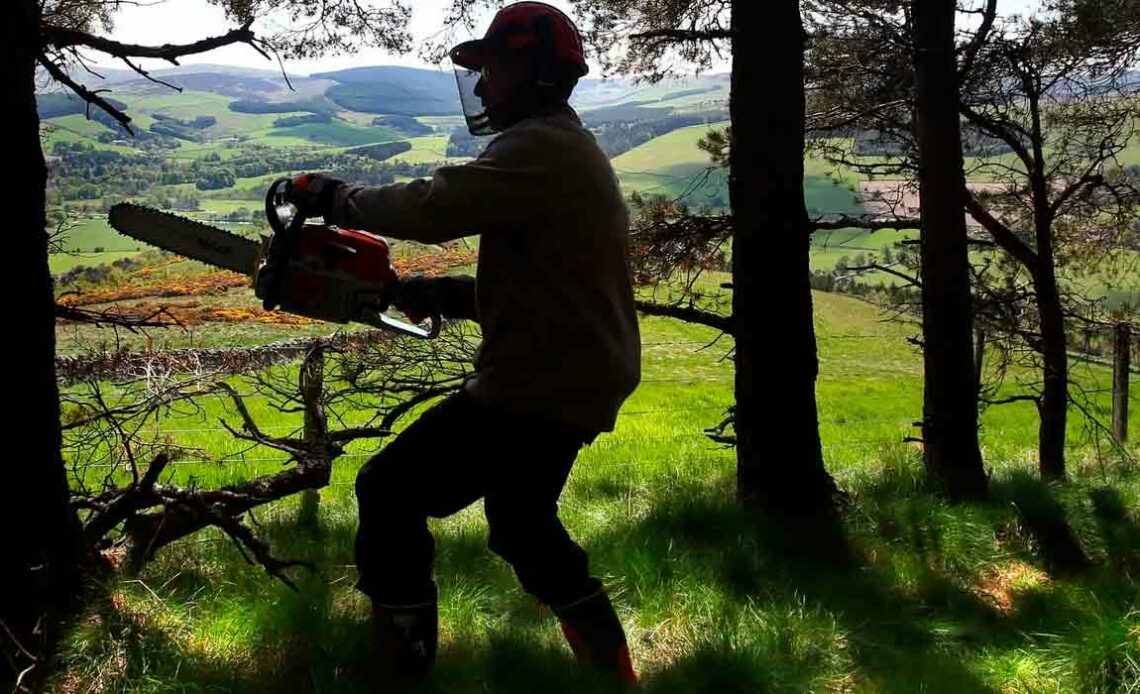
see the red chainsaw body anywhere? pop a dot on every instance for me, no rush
(337, 274)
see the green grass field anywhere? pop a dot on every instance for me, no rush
(941, 598)
(334, 133)
(91, 234)
(672, 165)
(62, 262)
(428, 149)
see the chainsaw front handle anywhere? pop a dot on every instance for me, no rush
(381, 320)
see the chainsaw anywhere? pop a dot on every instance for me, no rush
(310, 269)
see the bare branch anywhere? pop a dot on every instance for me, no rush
(1035, 399)
(910, 279)
(91, 97)
(63, 38)
(1002, 234)
(989, 14)
(689, 314)
(682, 35)
(147, 75)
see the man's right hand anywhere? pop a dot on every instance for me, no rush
(420, 297)
(417, 298)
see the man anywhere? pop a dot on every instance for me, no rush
(560, 351)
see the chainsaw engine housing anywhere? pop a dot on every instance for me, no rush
(337, 275)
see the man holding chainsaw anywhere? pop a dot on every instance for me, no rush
(560, 351)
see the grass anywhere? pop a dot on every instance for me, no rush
(191, 104)
(673, 165)
(89, 234)
(76, 128)
(941, 597)
(428, 149)
(334, 133)
(62, 262)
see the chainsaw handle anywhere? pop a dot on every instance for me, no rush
(380, 320)
(276, 202)
(283, 243)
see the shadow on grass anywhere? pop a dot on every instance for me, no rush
(754, 604)
(768, 560)
(1044, 519)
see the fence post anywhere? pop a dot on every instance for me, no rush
(1121, 352)
(979, 357)
(312, 389)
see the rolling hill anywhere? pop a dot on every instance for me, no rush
(394, 90)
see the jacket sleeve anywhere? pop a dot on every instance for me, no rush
(493, 192)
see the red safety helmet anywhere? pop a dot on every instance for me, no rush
(527, 25)
(550, 37)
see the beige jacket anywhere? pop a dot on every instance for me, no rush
(553, 290)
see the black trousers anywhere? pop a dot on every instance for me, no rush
(457, 452)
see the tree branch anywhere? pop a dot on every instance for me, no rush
(910, 279)
(1002, 234)
(64, 38)
(682, 35)
(355, 433)
(1003, 131)
(989, 14)
(1014, 398)
(689, 314)
(91, 97)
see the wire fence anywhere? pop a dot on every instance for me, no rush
(697, 417)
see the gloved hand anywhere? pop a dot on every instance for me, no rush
(312, 193)
(422, 297)
(418, 297)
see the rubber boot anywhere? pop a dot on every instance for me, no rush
(595, 634)
(406, 639)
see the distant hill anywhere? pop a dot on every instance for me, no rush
(65, 104)
(237, 82)
(118, 76)
(394, 90)
(226, 85)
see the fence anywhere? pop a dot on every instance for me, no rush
(311, 384)
(1122, 353)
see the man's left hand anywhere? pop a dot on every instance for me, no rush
(313, 193)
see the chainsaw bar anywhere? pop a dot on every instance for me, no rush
(186, 237)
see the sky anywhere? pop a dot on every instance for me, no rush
(183, 21)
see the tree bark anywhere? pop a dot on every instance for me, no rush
(950, 406)
(316, 429)
(779, 458)
(45, 569)
(1055, 391)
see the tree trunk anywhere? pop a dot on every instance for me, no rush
(779, 459)
(1055, 394)
(312, 386)
(950, 406)
(47, 554)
